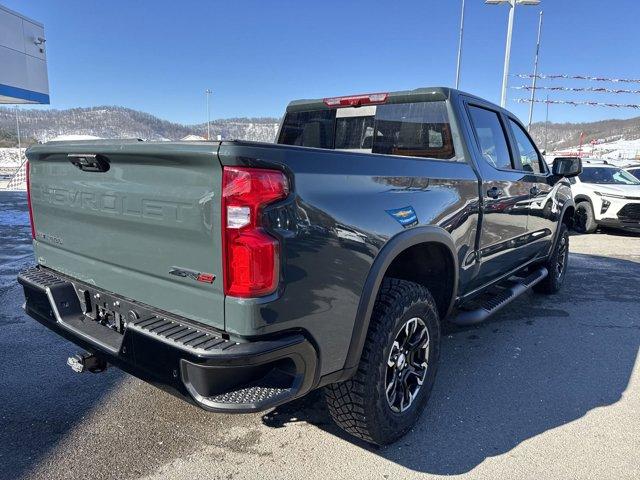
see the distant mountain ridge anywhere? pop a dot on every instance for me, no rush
(121, 122)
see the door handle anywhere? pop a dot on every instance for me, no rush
(495, 192)
(89, 162)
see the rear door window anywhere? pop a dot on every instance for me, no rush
(491, 138)
(529, 157)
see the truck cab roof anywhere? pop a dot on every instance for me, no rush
(423, 94)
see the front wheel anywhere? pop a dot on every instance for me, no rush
(584, 218)
(556, 264)
(390, 389)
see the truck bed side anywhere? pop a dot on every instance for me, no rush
(338, 217)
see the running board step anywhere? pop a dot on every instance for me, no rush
(495, 303)
(274, 388)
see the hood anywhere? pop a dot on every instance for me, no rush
(624, 190)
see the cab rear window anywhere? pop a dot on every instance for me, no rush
(419, 129)
(309, 129)
(354, 133)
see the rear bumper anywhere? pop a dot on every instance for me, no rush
(187, 359)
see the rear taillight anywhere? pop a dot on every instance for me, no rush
(251, 255)
(356, 100)
(33, 226)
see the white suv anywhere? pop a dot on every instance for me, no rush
(605, 195)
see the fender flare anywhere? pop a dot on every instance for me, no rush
(581, 198)
(388, 253)
(568, 204)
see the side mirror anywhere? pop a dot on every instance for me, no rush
(567, 166)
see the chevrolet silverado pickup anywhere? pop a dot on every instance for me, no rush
(240, 276)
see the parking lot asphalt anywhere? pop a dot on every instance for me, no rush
(548, 388)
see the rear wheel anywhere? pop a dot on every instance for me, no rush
(584, 219)
(390, 389)
(556, 264)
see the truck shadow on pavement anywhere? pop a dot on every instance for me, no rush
(541, 363)
(39, 401)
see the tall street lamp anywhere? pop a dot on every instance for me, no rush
(507, 54)
(460, 47)
(18, 131)
(535, 73)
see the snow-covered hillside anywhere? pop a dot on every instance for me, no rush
(113, 122)
(620, 151)
(119, 122)
(562, 136)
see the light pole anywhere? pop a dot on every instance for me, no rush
(507, 54)
(460, 47)
(18, 131)
(535, 74)
(208, 93)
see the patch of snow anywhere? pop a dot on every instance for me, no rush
(620, 149)
(193, 138)
(71, 137)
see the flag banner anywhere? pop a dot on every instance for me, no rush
(578, 89)
(579, 103)
(577, 77)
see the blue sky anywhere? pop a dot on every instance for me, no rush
(160, 56)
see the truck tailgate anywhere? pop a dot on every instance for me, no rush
(144, 228)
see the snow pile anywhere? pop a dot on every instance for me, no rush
(619, 149)
(72, 137)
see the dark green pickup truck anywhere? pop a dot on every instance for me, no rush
(243, 275)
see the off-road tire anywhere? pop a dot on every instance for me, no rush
(359, 405)
(552, 283)
(584, 221)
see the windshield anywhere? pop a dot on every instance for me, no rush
(608, 176)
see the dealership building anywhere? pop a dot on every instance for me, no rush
(23, 60)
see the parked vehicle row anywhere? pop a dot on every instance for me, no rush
(240, 276)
